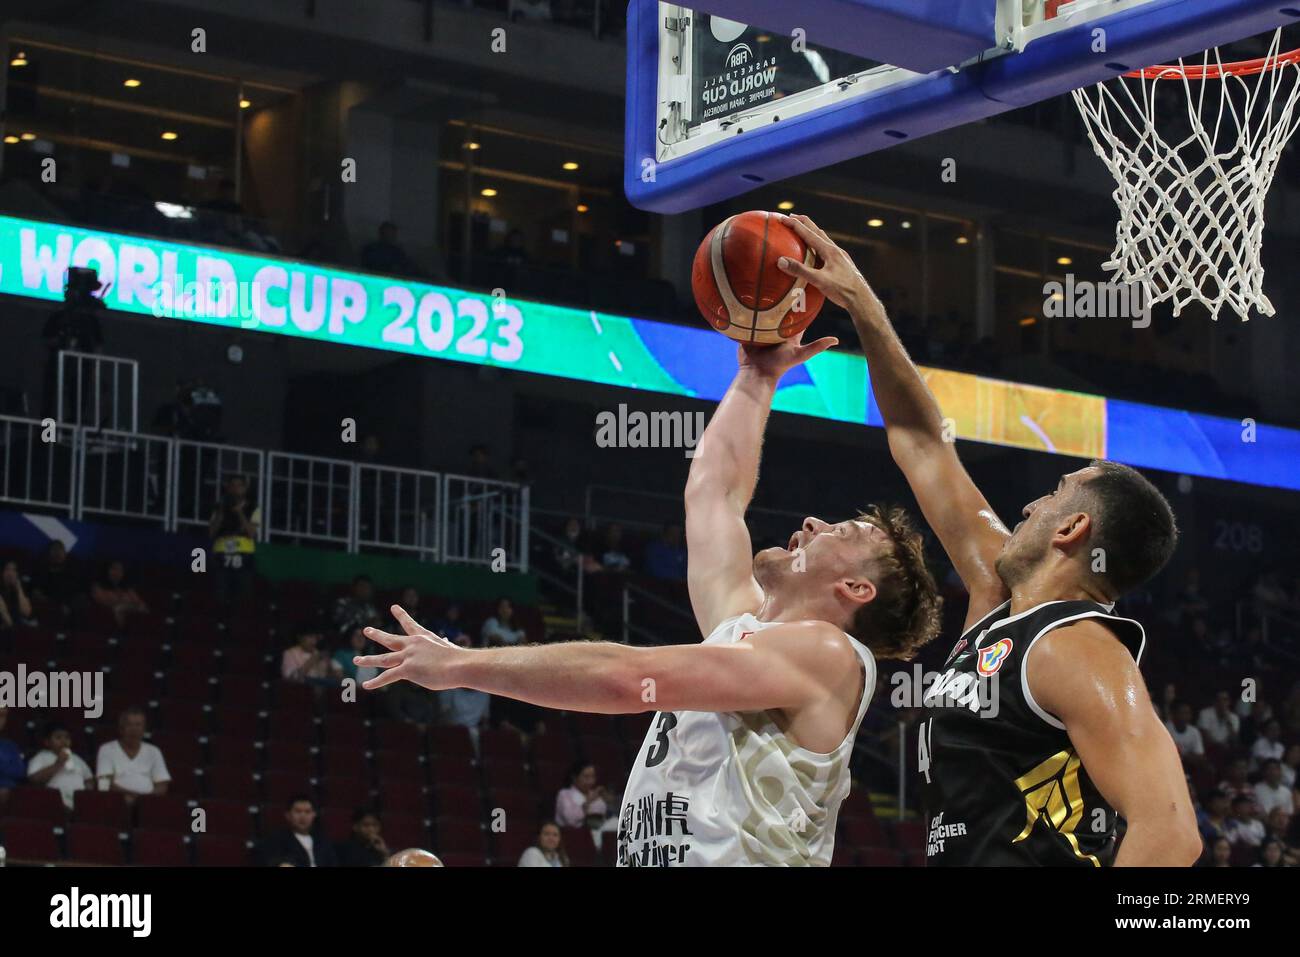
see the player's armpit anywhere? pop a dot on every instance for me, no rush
(786, 666)
(1087, 679)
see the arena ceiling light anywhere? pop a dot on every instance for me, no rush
(473, 146)
(11, 139)
(571, 166)
(489, 192)
(245, 103)
(785, 205)
(28, 137)
(169, 135)
(875, 223)
(1064, 261)
(20, 59)
(130, 83)
(583, 207)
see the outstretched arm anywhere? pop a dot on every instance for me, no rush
(1084, 677)
(970, 532)
(785, 666)
(724, 474)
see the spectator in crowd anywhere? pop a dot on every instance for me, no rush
(549, 849)
(365, 846)
(56, 766)
(409, 598)
(1212, 820)
(573, 550)
(665, 557)
(58, 580)
(1270, 595)
(407, 702)
(1191, 602)
(449, 627)
(1270, 792)
(385, 256)
(1217, 722)
(1238, 780)
(613, 558)
(297, 842)
(12, 771)
(480, 463)
(1268, 746)
(356, 645)
(1270, 854)
(1278, 828)
(1245, 826)
(1220, 853)
(306, 662)
(1290, 765)
(1186, 736)
(113, 591)
(584, 803)
(357, 607)
(500, 630)
(15, 606)
(131, 764)
(233, 527)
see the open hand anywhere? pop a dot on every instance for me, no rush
(837, 277)
(419, 656)
(776, 360)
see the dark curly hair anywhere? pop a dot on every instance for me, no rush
(906, 612)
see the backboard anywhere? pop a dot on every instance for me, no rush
(755, 91)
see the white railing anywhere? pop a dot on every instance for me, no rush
(480, 516)
(38, 464)
(98, 391)
(81, 471)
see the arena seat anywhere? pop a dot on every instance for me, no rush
(95, 844)
(152, 848)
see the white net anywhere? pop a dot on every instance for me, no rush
(1193, 151)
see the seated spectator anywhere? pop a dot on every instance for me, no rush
(1271, 793)
(584, 803)
(409, 702)
(410, 600)
(131, 764)
(343, 658)
(15, 607)
(297, 843)
(12, 771)
(1290, 765)
(1245, 826)
(306, 662)
(1220, 853)
(449, 627)
(499, 629)
(365, 847)
(1218, 723)
(1267, 746)
(664, 557)
(465, 707)
(357, 607)
(114, 592)
(1212, 820)
(612, 557)
(549, 849)
(385, 256)
(1191, 602)
(58, 580)
(1237, 782)
(1186, 736)
(1270, 854)
(573, 550)
(57, 767)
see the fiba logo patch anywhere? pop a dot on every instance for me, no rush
(739, 55)
(992, 657)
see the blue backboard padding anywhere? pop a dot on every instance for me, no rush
(1205, 445)
(920, 35)
(1050, 66)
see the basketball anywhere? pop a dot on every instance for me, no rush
(414, 857)
(740, 290)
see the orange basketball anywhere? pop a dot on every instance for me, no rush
(740, 290)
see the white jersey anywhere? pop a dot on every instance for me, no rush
(724, 789)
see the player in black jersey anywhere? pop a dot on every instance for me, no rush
(1040, 727)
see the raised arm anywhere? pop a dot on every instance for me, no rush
(967, 527)
(723, 476)
(1084, 677)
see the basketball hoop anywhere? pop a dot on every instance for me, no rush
(1191, 206)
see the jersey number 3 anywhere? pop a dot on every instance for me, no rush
(659, 750)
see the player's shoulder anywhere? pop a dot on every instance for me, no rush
(1079, 664)
(1091, 641)
(812, 641)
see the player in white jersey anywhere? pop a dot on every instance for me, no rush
(746, 761)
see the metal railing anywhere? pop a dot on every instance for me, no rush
(98, 391)
(177, 483)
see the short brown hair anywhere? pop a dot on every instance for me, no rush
(906, 612)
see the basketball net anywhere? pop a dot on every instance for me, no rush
(1191, 209)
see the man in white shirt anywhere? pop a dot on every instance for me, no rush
(1185, 735)
(1245, 825)
(1268, 746)
(57, 767)
(1271, 793)
(131, 764)
(1218, 723)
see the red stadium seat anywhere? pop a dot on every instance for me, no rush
(95, 844)
(401, 765)
(221, 852)
(231, 750)
(580, 846)
(405, 830)
(502, 745)
(245, 691)
(551, 779)
(36, 804)
(163, 812)
(182, 716)
(279, 786)
(400, 736)
(241, 721)
(344, 761)
(108, 808)
(404, 797)
(911, 835)
(159, 848)
(554, 747)
(451, 741)
(27, 840)
(193, 683)
(335, 823)
(224, 818)
(231, 782)
(453, 771)
(346, 732)
(178, 748)
(507, 773)
(459, 859)
(880, 857)
(458, 801)
(459, 835)
(843, 856)
(863, 832)
(289, 756)
(345, 790)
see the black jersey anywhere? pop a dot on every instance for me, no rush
(1001, 783)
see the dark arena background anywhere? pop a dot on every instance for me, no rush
(310, 307)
